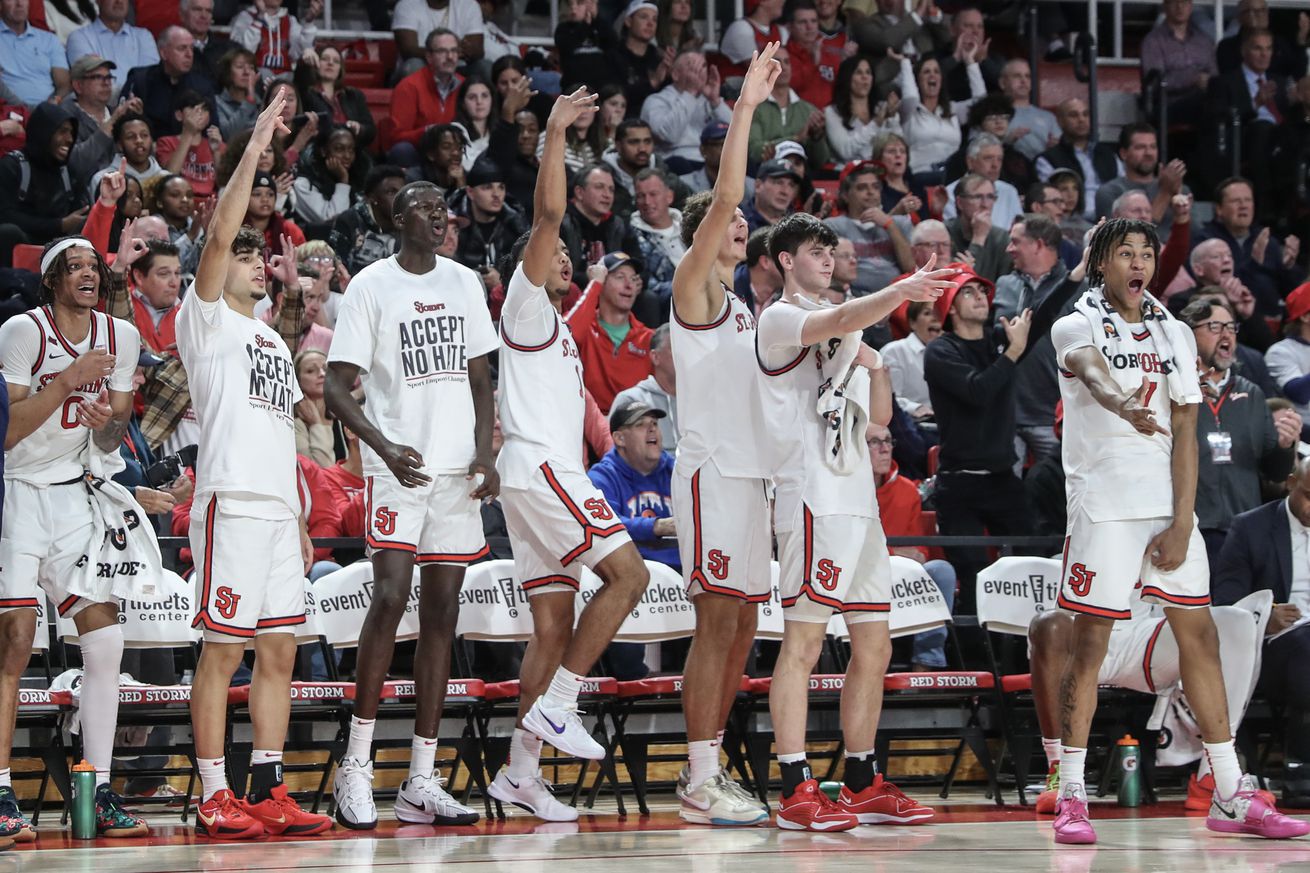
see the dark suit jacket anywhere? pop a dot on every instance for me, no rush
(1228, 91)
(1104, 159)
(1257, 555)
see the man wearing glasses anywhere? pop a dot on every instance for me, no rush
(1240, 441)
(424, 98)
(972, 231)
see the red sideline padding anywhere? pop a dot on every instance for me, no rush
(592, 686)
(946, 680)
(33, 697)
(661, 686)
(404, 689)
(820, 683)
(1017, 682)
(153, 695)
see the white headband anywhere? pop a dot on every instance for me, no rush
(63, 245)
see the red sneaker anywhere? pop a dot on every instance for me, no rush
(282, 815)
(1201, 791)
(1049, 799)
(222, 818)
(809, 809)
(882, 803)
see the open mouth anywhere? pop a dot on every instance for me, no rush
(86, 288)
(1136, 284)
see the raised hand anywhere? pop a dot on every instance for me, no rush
(1133, 409)
(113, 184)
(569, 108)
(516, 98)
(284, 182)
(1260, 247)
(1291, 248)
(283, 266)
(1287, 422)
(761, 76)
(713, 85)
(1181, 204)
(204, 211)
(131, 248)
(1016, 332)
(269, 123)
(1171, 176)
(925, 284)
(895, 55)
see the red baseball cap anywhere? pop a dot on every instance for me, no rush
(1298, 302)
(963, 276)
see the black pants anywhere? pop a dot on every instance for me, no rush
(1285, 679)
(974, 505)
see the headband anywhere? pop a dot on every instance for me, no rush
(60, 247)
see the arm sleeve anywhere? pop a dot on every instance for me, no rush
(128, 345)
(469, 15)
(1068, 335)
(98, 223)
(1174, 254)
(195, 319)
(1287, 374)
(244, 32)
(20, 346)
(977, 90)
(312, 206)
(354, 339)
(909, 89)
(78, 45)
(527, 316)
(946, 370)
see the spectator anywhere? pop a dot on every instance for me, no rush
(89, 105)
(209, 48)
(441, 148)
(1266, 551)
(614, 346)
(161, 85)
(1095, 162)
(904, 359)
(263, 216)
(1044, 198)
(634, 145)
(1039, 276)
(585, 45)
(192, 153)
(302, 126)
(636, 477)
(423, 98)
(366, 233)
(748, 35)
(1248, 362)
(157, 277)
(1069, 183)
(590, 228)
(658, 390)
(112, 38)
(613, 110)
(880, 239)
(852, 119)
(676, 29)
(929, 122)
(1184, 58)
(845, 272)
(314, 438)
(1287, 59)
(757, 280)
(494, 225)
(678, 111)
(711, 151)
(48, 205)
(1267, 266)
(970, 43)
(814, 60)
(832, 21)
(1139, 153)
(893, 153)
(273, 160)
(35, 67)
(1212, 263)
(657, 227)
(776, 185)
(328, 176)
(1289, 358)
(917, 35)
(475, 110)
(172, 199)
(277, 38)
(413, 21)
(1043, 485)
(320, 84)
(972, 231)
(1241, 442)
(785, 116)
(513, 142)
(1033, 129)
(309, 295)
(638, 64)
(235, 106)
(984, 157)
(900, 510)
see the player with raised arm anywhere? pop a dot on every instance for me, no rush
(721, 477)
(558, 521)
(821, 386)
(248, 535)
(1130, 391)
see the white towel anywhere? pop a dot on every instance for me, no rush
(1174, 350)
(843, 400)
(123, 560)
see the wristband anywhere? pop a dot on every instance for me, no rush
(887, 223)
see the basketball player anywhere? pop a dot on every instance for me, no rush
(832, 550)
(69, 373)
(417, 327)
(1130, 392)
(558, 521)
(248, 535)
(721, 477)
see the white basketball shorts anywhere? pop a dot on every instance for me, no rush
(724, 537)
(437, 523)
(45, 542)
(835, 563)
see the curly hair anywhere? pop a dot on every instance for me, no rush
(693, 213)
(247, 240)
(1107, 237)
(59, 267)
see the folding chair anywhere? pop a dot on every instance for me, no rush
(41, 712)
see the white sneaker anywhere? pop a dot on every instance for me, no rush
(720, 801)
(352, 788)
(532, 794)
(422, 800)
(562, 729)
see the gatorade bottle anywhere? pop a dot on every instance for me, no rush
(832, 789)
(1130, 777)
(84, 801)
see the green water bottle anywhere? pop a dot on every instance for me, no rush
(84, 801)
(1130, 776)
(832, 789)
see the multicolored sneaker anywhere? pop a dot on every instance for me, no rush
(1246, 812)
(1049, 799)
(1200, 792)
(1072, 825)
(222, 817)
(720, 801)
(809, 809)
(12, 823)
(279, 814)
(424, 800)
(883, 803)
(112, 820)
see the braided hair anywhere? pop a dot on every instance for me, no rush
(1108, 237)
(51, 278)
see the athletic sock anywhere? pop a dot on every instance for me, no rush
(1072, 762)
(1052, 749)
(702, 762)
(719, 736)
(795, 770)
(563, 690)
(1223, 763)
(1203, 768)
(422, 756)
(524, 755)
(6, 779)
(360, 744)
(265, 774)
(102, 655)
(861, 767)
(213, 778)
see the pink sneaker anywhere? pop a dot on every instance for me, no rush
(1246, 812)
(1072, 825)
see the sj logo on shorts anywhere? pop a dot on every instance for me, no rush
(599, 509)
(1080, 579)
(717, 564)
(226, 602)
(385, 521)
(826, 573)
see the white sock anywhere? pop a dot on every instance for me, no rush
(213, 779)
(702, 761)
(102, 655)
(1072, 762)
(422, 756)
(1223, 763)
(524, 755)
(1203, 768)
(794, 758)
(563, 690)
(1052, 749)
(5, 779)
(360, 744)
(719, 736)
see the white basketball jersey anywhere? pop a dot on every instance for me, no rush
(34, 353)
(412, 337)
(542, 404)
(720, 413)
